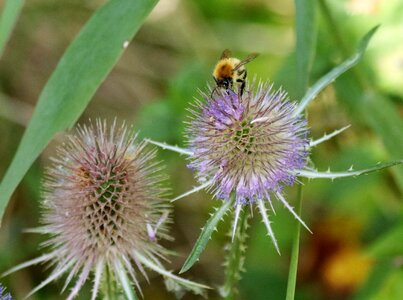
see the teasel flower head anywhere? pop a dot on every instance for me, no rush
(105, 211)
(249, 145)
(4, 296)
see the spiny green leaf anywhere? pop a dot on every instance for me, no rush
(336, 72)
(9, 16)
(205, 236)
(349, 173)
(81, 70)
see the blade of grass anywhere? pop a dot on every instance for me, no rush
(8, 19)
(81, 70)
(306, 31)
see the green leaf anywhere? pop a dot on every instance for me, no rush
(306, 33)
(81, 70)
(205, 235)
(379, 275)
(379, 113)
(9, 16)
(357, 92)
(386, 245)
(387, 123)
(392, 287)
(336, 72)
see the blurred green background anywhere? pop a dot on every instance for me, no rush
(356, 249)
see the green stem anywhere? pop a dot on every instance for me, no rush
(235, 258)
(292, 275)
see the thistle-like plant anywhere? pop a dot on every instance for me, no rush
(248, 147)
(245, 148)
(105, 211)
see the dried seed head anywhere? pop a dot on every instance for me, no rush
(248, 144)
(103, 203)
(101, 193)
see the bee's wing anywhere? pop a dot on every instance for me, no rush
(226, 54)
(248, 59)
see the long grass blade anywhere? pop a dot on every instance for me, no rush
(8, 19)
(83, 67)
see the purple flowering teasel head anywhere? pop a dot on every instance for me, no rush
(105, 211)
(249, 145)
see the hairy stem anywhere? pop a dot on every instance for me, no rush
(235, 257)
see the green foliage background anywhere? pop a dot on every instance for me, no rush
(151, 85)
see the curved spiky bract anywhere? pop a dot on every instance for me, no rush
(104, 209)
(248, 144)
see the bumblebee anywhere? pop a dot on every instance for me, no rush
(230, 72)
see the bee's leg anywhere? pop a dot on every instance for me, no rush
(212, 92)
(241, 88)
(241, 82)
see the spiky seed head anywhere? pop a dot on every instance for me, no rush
(103, 196)
(248, 144)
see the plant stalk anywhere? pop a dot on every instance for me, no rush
(292, 274)
(235, 258)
